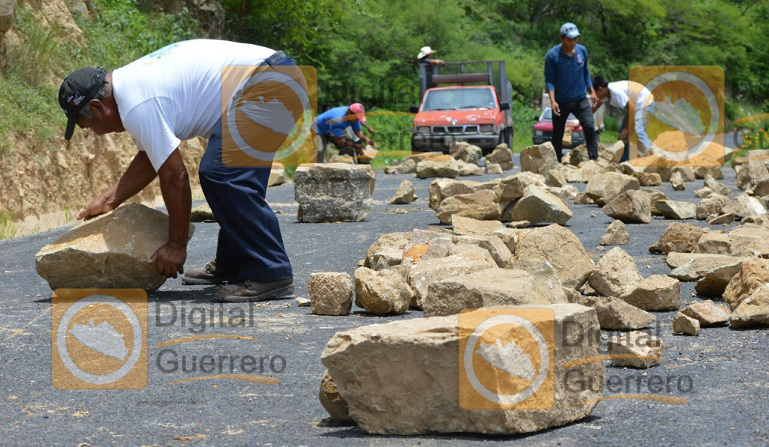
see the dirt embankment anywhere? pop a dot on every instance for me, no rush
(44, 187)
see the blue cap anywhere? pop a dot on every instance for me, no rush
(569, 30)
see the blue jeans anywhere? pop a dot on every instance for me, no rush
(250, 243)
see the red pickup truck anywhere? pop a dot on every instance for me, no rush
(475, 111)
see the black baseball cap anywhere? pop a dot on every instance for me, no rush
(77, 89)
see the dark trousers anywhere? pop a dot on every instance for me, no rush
(250, 242)
(582, 110)
(626, 153)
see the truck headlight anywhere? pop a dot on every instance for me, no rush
(487, 128)
(423, 129)
(538, 133)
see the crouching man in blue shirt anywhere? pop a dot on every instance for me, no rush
(567, 77)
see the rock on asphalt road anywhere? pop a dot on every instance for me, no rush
(720, 372)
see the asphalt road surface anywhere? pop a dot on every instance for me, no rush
(724, 374)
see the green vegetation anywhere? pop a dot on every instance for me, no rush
(116, 33)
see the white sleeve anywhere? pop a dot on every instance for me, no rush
(150, 125)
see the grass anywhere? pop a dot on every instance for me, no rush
(8, 227)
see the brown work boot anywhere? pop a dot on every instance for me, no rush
(256, 291)
(207, 275)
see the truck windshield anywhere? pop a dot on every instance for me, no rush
(461, 98)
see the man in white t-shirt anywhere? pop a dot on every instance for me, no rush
(621, 94)
(172, 95)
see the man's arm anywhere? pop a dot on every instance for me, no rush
(138, 175)
(175, 186)
(597, 105)
(589, 80)
(360, 135)
(550, 69)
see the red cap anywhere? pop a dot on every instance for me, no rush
(359, 111)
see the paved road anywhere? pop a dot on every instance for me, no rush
(727, 369)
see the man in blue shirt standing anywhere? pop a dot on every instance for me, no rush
(567, 78)
(330, 126)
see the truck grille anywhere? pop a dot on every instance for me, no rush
(456, 130)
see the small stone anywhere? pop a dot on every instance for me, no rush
(381, 292)
(637, 349)
(617, 315)
(707, 313)
(655, 293)
(616, 234)
(678, 237)
(331, 400)
(677, 181)
(493, 168)
(615, 273)
(467, 225)
(539, 206)
(202, 213)
(330, 293)
(674, 209)
(404, 194)
(302, 302)
(753, 310)
(501, 155)
(723, 219)
(683, 324)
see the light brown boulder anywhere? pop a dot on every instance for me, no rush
(654, 197)
(714, 171)
(466, 169)
(424, 273)
(555, 177)
(405, 166)
(630, 206)
(108, 252)
(485, 288)
(714, 242)
(539, 158)
(493, 168)
(710, 206)
(386, 258)
(615, 273)
(714, 282)
(389, 240)
(617, 315)
(686, 173)
(723, 219)
(561, 248)
(466, 152)
(365, 362)
(589, 169)
(703, 193)
(383, 292)
(753, 274)
(751, 172)
(749, 240)
(405, 193)
(333, 192)
(602, 188)
(491, 243)
(678, 237)
(683, 324)
(693, 266)
(744, 206)
(438, 168)
(655, 293)
(677, 181)
(501, 155)
(277, 175)
(582, 199)
(707, 313)
(426, 245)
(467, 225)
(612, 153)
(202, 213)
(331, 399)
(717, 187)
(513, 187)
(330, 293)
(539, 206)
(637, 349)
(753, 310)
(648, 178)
(616, 234)
(480, 205)
(509, 236)
(443, 188)
(470, 250)
(675, 209)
